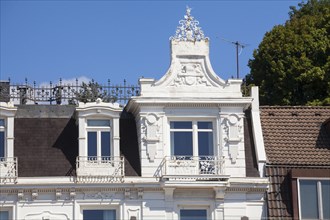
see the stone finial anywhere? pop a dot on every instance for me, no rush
(188, 29)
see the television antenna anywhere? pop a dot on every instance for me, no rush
(239, 48)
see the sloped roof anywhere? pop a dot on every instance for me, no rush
(296, 135)
(279, 196)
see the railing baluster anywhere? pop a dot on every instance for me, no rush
(191, 165)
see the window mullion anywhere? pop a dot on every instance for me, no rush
(98, 144)
(195, 139)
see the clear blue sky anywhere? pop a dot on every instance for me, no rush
(116, 40)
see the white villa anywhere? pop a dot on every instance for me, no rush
(189, 146)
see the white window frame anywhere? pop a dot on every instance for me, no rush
(7, 112)
(9, 210)
(319, 195)
(3, 129)
(98, 130)
(191, 206)
(99, 207)
(194, 131)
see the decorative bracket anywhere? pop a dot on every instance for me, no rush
(220, 192)
(233, 134)
(169, 194)
(20, 195)
(34, 194)
(151, 138)
(58, 194)
(72, 193)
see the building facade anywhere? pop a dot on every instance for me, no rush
(189, 146)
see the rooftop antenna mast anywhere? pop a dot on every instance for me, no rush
(239, 48)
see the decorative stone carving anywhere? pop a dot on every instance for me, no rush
(46, 215)
(150, 128)
(232, 127)
(127, 193)
(133, 193)
(72, 193)
(220, 192)
(20, 195)
(99, 195)
(169, 194)
(133, 214)
(188, 29)
(140, 193)
(190, 74)
(34, 194)
(58, 194)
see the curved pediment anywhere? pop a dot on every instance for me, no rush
(190, 75)
(190, 71)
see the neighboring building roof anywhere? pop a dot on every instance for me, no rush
(296, 135)
(296, 138)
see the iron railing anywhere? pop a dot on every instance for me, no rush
(66, 93)
(8, 169)
(193, 165)
(100, 169)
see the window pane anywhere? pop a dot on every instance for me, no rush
(2, 144)
(181, 143)
(105, 144)
(2, 122)
(181, 125)
(99, 214)
(4, 215)
(92, 144)
(205, 143)
(326, 198)
(308, 199)
(93, 215)
(96, 122)
(204, 125)
(109, 215)
(196, 214)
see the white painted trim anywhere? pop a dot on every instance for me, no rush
(257, 132)
(8, 112)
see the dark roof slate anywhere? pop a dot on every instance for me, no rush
(251, 165)
(296, 135)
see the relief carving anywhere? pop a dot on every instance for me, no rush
(190, 74)
(232, 133)
(99, 195)
(150, 129)
(58, 194)
(133, 193)
(46, 215)
(133, 214)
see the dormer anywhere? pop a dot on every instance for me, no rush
(190, 121)
(99, 153)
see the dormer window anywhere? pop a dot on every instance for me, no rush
(99, 157)
(98, 138)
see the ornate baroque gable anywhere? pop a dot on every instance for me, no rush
(190, 73)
